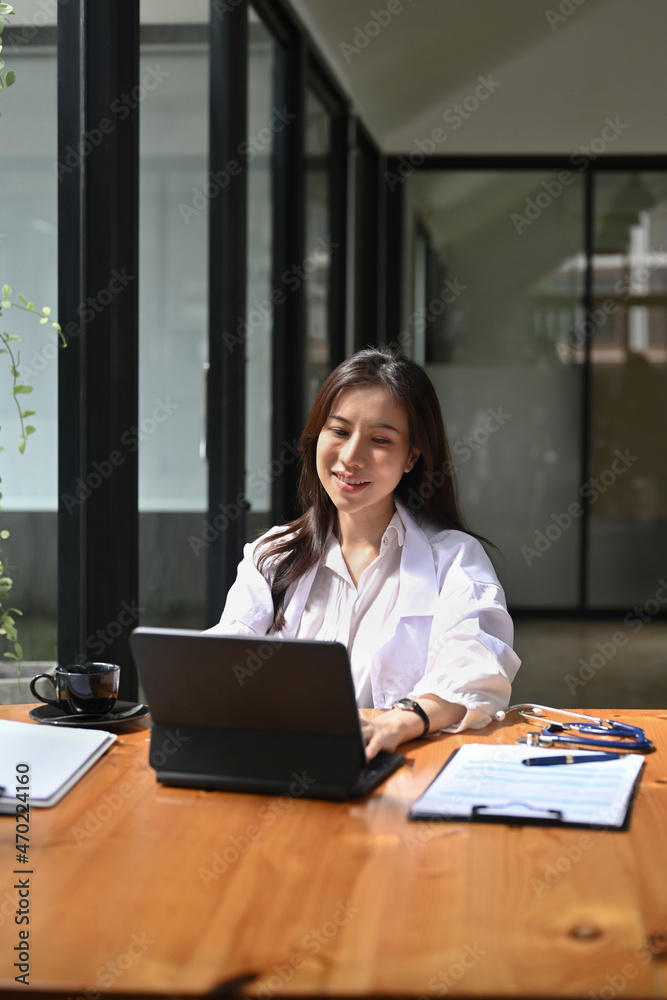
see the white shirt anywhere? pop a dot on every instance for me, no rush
(443, 630)
(338, 611)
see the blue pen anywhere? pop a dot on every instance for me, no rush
(588, 758)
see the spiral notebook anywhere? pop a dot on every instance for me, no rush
(489, 783)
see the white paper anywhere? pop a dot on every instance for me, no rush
(493, 777)
(57, 755)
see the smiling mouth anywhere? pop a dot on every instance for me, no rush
(349, 481)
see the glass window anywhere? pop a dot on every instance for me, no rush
(173, 319)
(29, 264)
(628, 331)
(498, 277)
(314, 270)
(262, 122)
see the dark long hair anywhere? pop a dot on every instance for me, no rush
(428, 489)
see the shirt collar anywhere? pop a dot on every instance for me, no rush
(332, 557)
(395, 527)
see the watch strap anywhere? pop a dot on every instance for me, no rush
(410, 705)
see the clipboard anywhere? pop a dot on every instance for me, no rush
(487, 783)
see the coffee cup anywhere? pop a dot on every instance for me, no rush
(90, 688)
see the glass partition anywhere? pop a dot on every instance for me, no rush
(29, 263)
(628, 330)
(263, 120)
(174, 195)
(314, 269)
(495, 293)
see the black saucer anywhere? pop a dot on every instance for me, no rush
(122, 713)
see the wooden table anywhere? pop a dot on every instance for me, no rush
(138, 888)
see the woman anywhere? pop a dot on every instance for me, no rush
(382, 560)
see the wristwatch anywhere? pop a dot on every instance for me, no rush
(410, 705)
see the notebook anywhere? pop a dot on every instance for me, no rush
(254, 714)
(39, 764)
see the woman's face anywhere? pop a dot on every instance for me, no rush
(363, 450)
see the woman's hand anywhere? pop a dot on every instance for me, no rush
(387, 730)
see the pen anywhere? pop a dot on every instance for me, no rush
(569, 759)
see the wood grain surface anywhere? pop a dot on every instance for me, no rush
(138, 888)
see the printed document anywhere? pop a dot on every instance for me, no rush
(489, 782)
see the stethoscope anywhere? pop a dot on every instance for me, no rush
(612, 735)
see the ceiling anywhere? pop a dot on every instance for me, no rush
(558, 72)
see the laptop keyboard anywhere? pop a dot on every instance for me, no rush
(375, 771)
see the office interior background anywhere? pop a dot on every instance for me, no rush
(224, 199)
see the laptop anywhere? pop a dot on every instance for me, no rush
(255, 714)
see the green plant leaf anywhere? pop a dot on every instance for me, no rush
(23, 299)
(30, 306)
(6, 304)
(4, 533)
(29, 429)
(22, 446)
(28, 413)
(10, 337)
(22, 389)
(10, 77)
(46, 310)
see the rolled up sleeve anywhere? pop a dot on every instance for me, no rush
(249, 606)
(471, 661)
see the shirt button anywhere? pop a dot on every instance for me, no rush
(385, 541)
